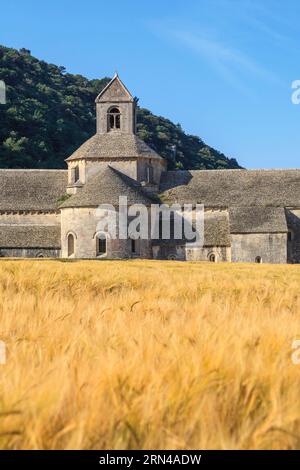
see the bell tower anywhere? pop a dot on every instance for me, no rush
(116, 109)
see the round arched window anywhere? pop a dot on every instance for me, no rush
(71, 244)
(212, 258)
(101, 246)
(258, 259)
(114, 119)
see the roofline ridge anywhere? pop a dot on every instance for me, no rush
(95, 139)
(133, 184)
(126, 179)
(232, 170)
(115, 77)
(28, 170)
(29, 225)
(242, 170)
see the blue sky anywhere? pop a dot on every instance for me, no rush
(221, 68)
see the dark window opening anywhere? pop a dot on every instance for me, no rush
(111, 121)
(101, 245)
(160, 226)
(71, 245)
(258, 259)
(212, 258)
(172, 226)
(135, 246)
(149, 174)
(290, 236)
(114, 119)
(76, 174)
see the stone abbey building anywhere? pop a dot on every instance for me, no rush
(250, 215)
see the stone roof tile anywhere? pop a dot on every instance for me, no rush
(257, 219)
(113, 145)
(29, 236)
(105, 187)
(31, 189)
(225, 188)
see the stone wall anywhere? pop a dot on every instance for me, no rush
(127, 110)
(221, 253)
(271, 247)
(127, 167)
(184, 253)
(293, 218)
(82, 172)
(29, 252)
(88, 168)
(157, 165)
(29, 218)
(82, 223)
(134, 168)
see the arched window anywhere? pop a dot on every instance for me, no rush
(149, 173)
(212, 258)
(135, 246)
(76, 174)
(114, 119)
(101, 246)
(258, 259)
(71, 244)
(160, 226)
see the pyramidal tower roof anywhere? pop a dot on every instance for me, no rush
(109, 147)
(116, 137)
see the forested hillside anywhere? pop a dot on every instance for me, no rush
(50, 112)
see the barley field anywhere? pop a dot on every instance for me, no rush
(148, 355)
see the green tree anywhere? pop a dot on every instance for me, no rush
(49, 113)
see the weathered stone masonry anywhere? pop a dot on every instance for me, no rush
(250, 215)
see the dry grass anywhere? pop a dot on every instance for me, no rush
(149, 355)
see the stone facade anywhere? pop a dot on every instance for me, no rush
(116, 95)
(186, 253)
(82, 224)
(250, 215)
(29, 253)
(293, 236)
(259, 247)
